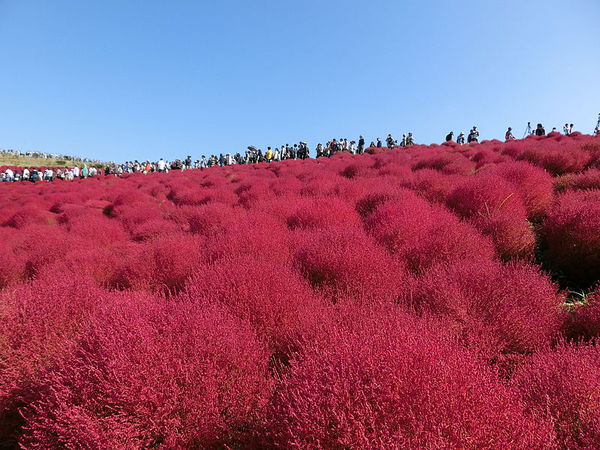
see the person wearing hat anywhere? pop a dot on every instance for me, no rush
(449, 136)
(461, 138)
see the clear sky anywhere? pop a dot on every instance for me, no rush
(119, 80)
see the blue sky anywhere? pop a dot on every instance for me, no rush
(119, 80)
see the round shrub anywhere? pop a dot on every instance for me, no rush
(494, 206)
(421, 234)
(149, 373)
(385, 380)
(346, 264)
(563, 385)
(571, 238)
(496, 309)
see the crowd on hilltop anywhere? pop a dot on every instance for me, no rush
(252, 155)
(35, 154)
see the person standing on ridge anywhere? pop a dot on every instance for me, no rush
(509, 135)
(473, 136)
(379, 144)
(540, 131)
(461, 138)
(449, 136)
(361, 145)
(389, 141)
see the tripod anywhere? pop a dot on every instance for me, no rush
(528, 129)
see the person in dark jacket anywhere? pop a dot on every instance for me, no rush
(389, 141)
(540, 131)
(449, 136)
(361, 145)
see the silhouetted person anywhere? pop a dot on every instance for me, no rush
(539, 131)
(389, 141)
(449, 136)
(509, 135)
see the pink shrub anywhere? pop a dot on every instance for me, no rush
(161, 266)
(584, 321)
(533, 184)
(321, 213)
(494, 206)
(421, 234)
(432, 185)
(212, 219)
(590, 179)
(571, 237)
(38, 323)
(252, 233)
(344, 264)
(564, 386)
(447, 162)
(150, 373)
(278, 303)
(29, 215)
(496, 309)
(557, 160)
(12, 268)
(385, 381)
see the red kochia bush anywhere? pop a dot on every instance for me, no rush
(533, 184)
(590, 179)
(346, 264)
(277, 302)
(495, 207)
(564, 386)
(212, 219)
(163, 265)
(584, 321)
(385, 380)
(572, 238)
(497, 309)
(151, 373)
(39, 322)
(557, 159)
(12, 268)
(319, 213)
(421, 234)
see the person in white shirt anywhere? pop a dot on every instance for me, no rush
(76, 172)
(9, 175)
(25, 173)
(353, 147)
(161, 165)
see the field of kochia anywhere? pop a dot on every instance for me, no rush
(428, 297)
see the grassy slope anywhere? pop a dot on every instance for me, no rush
(27, 161)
